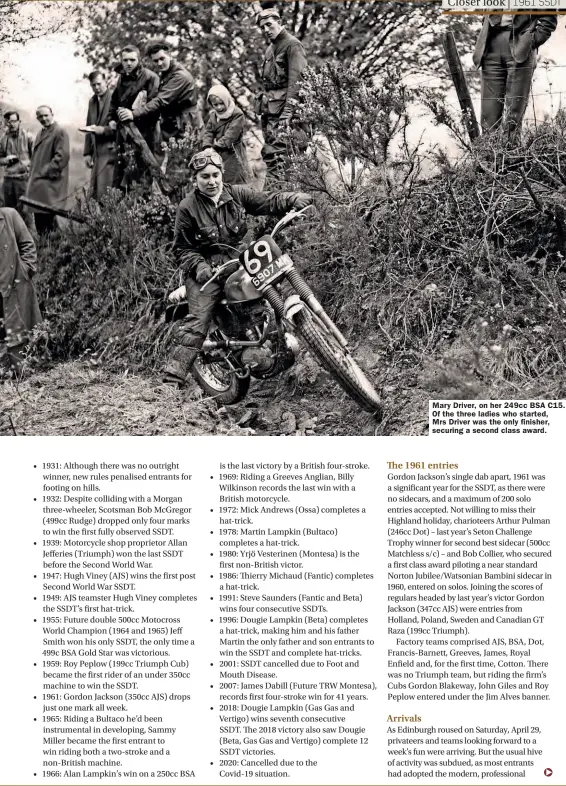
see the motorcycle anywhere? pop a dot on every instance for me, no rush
(267, 304)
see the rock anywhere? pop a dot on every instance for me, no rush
(306, 423)
(235, 412)
(272, 413)
(247, 418)
(288, 423)
(305, 371)
(368, 356)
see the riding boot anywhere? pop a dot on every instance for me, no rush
(179, 365)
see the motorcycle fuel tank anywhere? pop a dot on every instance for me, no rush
(239, 288)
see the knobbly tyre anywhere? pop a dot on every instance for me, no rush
(266, 305)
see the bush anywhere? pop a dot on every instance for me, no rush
(464, 264)
(103, 283)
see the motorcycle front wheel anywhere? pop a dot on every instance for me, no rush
(338, 361)
(220, 383)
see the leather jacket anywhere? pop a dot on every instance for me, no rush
(204, 229)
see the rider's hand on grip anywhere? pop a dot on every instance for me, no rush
(302, 200)
(203, 273)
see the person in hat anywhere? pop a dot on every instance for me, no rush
(224, 131)
(210, 222)
(506, 51)
(16, 148)
(283, 65)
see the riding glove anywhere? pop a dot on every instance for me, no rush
(301, 201)
(203, 273)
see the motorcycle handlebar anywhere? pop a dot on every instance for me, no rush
(291, 216)
(220, 270)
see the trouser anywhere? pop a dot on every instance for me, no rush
(15, 353)
(276, 144)
(505, 85)
(101, 176)
(45, 223)
(281, 139)
(192, 330)
(12, 189)
(130, 169)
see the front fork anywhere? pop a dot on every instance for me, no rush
(287, 309)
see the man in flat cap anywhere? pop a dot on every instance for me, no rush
(283, 65)
(506, 51)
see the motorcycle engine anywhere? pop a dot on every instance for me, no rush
(260, 359)
(251, 316)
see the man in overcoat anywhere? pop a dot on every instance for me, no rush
(19, 309)
(100, 144)
(506, 51)
(49, 172)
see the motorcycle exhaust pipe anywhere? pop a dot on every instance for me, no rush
(209, 345)
(229, 343)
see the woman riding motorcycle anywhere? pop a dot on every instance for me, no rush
(210, 223)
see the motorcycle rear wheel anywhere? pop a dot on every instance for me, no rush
(336, 360)
(219, 383)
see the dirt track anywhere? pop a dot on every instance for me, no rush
(76, 398)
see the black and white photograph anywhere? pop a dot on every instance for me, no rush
(276, 218)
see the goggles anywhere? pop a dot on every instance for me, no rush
(200, 160)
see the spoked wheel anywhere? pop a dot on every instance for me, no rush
(336, 360)
(219, 382)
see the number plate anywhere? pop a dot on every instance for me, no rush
(264, 262)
